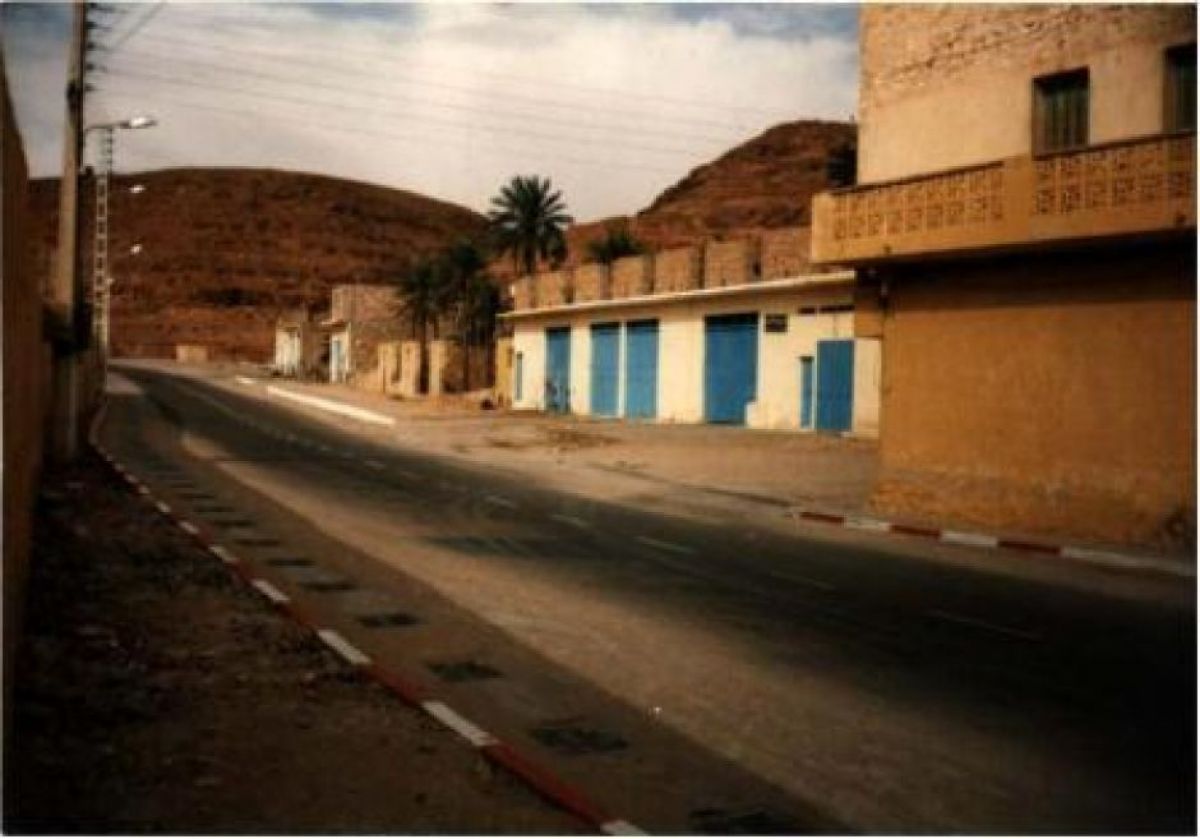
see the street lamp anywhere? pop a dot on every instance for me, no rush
(101, 282)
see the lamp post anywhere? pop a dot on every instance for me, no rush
(101, 281)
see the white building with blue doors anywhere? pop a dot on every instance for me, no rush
(777, 354)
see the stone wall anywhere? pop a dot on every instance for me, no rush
(24, 387)
(677, 269)
(632, 276)
(784, 253)
(554, 289)
(364, 303)
(944, 86)
(731, 263)
(591, 282)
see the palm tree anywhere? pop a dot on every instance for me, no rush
(527, 220)
(462, 268)
(422, 287)
(616, 243)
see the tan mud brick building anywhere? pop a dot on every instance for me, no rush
(1024, 231)
(361, 317)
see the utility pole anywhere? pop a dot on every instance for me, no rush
(64, 296)
(101, 281)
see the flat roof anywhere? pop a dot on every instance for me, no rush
(786, 284)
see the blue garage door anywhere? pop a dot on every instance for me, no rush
(641, 369)
(605, 350)
(835, 385)
(558, 369)
(730, 366)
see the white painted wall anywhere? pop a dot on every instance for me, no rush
(681, 355)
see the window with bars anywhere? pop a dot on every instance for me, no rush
(1179, 106)
(1060, 111)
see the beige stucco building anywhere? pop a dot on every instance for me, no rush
(1024, 234)
(743, 333)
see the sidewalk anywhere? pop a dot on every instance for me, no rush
(153, 695)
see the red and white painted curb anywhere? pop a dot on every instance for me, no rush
(982, 540)
(497, 752)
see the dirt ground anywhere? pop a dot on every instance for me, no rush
(156, 694)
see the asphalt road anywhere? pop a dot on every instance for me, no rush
(875, 690)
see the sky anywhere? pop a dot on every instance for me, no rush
(613, 102)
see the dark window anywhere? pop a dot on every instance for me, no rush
(1060, 111)
(1179, 107)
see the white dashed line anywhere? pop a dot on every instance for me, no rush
(352, 654)
(163, 507)
(966, 620)
(977, 540)
(245, 380)
(374, 464)
(501, 501)
(189, 528)
(224, 555)
(666, 546)
(867, 524)
(461, 726)
(620, 827)
(404, 473)
(270, 592)
(571, 520)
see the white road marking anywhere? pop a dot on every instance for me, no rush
(163, 507)
(666, 546)
(868, 524)
(460, 725)
(571, 520)
(404, 473)
(245, 380)
(501, 501)
(223, 554)
(374, 464)
(332, 406)
(620, 827)
(977, 540)
(142, 489)
(189, 528)
(967, 620)
(270, 592)
(352, 654)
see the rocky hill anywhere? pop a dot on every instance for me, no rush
(224, 251)
(764, 183)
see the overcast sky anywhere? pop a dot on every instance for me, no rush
(613, 102)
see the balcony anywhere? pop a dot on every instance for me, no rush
(1131, 187)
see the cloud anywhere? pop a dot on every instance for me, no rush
(614, 102)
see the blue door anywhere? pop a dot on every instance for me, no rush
(835, 385)
(558, 369)
(806, 391)
(730, 366)
(605, 351)
(641, 369)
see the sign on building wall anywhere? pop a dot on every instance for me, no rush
(775, 323)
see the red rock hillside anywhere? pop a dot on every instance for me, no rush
(224, 251)
(764, 183)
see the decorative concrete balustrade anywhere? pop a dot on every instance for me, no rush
(772, 255)
(1130, 187)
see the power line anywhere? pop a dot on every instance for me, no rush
(135, 27)
(692, 103)
(241, 90)
(388, 97)
(740, 127)
(440, 142)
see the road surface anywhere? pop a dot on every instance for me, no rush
(698, 677)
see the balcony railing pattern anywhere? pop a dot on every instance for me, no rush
(1119, 188)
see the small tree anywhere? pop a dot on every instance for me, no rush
(617, 242)
(527, 220)
(462, 267)
(422, 287)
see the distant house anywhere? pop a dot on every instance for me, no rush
(742, 333)
(361, 317)
(1025, 240)
(300, 344)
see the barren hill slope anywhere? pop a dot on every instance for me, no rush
(764, 183)
(223, 251)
